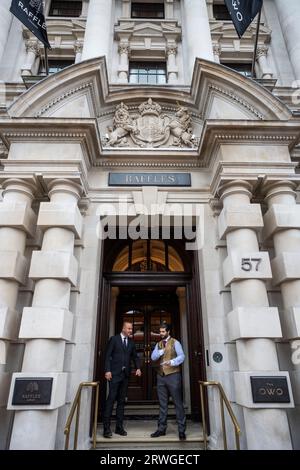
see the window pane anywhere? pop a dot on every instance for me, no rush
(152, 79)
(242, 68)
(161, 79)
(65, 8)
(151, 73)
(147, 10)
(221, 12)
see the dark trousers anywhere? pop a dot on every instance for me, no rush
(117, 392)
(170, 385)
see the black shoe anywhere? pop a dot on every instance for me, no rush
(182, 436)
(107, 432)
(158, 433)
(121, 431)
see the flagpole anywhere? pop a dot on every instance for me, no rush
(46, 61)
(256, 42)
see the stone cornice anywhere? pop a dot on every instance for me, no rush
(82, 131)
(215, 133)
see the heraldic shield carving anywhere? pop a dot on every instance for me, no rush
(151, 128)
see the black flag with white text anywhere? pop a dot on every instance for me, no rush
(31, 14)
(243, 13)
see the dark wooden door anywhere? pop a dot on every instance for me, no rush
(146, 310)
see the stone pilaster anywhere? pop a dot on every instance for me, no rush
(123, 69)
(32, 50)
(47, 325)
(252, 323)
(172, 68)
(78, 51)
(98, 33)
(197, 32)
(261, 57)
(217, 52)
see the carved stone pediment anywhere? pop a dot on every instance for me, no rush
(141, 28)
(151, 127)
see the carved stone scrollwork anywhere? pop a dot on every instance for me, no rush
(151, 128)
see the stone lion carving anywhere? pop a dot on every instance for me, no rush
(123, 125)
(181, 128)
(150, 128)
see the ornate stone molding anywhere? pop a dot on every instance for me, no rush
(78, 46)
(32, 46)
(171, 50)
(124, 49)
(262, 51)
(62, 97)
(217, 50)
(238, 100)
(162, 165)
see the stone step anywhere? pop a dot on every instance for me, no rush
(139, 434)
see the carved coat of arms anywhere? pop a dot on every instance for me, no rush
(151, 128)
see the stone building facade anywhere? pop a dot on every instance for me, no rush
(150, 121)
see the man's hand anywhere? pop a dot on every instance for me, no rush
(108, 376)
(167, 363)
(138, 372)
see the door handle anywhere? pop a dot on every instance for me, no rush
(147, 357)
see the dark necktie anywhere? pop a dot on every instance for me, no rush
(164, 342)
(125, 343)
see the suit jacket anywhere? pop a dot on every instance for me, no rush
(117, 357)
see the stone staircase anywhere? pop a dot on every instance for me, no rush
(138, 437)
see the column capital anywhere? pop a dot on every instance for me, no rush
(262, 51)
(273, 190)
(171, 49)
(124, 48)
(78, 46)
(232, 187)
(23, 187)
(32, 45)
(65, 186)
(217, 49)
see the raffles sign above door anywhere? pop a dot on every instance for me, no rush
(149, 179)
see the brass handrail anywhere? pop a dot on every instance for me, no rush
(223, 399)
(76, 408)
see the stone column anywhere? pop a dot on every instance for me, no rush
(282, 223)
(217, 53)
(197, 32)
(252, 323)
(47, 325)
(5, 22)
(169, 9)
(17, 220)
(289, 18)
(126, 8)
(123, 69)
(32, 50)
(172, 68)
(98, 33)
(78, 51)
(261, 57)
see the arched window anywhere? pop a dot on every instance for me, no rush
(148, 255)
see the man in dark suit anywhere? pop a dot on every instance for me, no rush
(119, 354)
